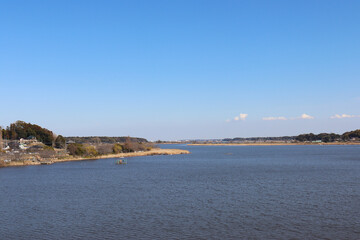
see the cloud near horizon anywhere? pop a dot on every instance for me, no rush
(273, 118)
(242, 117)
(305, 116)
(338, 116)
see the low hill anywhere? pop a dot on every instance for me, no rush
(93, 139)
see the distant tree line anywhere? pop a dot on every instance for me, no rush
(324, 137)
(351, 135)
(309, 137)
(98, 140)
(260, 139)
(329, 137)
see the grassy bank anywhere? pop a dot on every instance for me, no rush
(152, 152)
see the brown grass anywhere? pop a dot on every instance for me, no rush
(155, 151)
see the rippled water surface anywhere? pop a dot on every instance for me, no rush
(217, 192)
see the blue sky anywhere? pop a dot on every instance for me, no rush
(181, 69)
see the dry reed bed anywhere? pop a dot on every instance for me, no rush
(152, 152)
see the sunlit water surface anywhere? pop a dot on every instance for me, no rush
(217, 192)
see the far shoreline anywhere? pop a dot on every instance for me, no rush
(273, 144)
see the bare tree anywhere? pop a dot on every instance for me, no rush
(104, 148)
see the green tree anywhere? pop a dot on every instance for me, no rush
(117, 148)
(326, 138)
(21, 129)
(76, 149)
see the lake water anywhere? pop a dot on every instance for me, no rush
(217, 192)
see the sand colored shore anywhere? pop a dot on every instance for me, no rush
(155, 151)
(272, 144)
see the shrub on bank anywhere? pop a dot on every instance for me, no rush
(117, 148)
(131, 146)
(48, 148)
(78, 149)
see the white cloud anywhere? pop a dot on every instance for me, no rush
(273, 118)
(305, 116)
(242, 116)
(342, 116)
